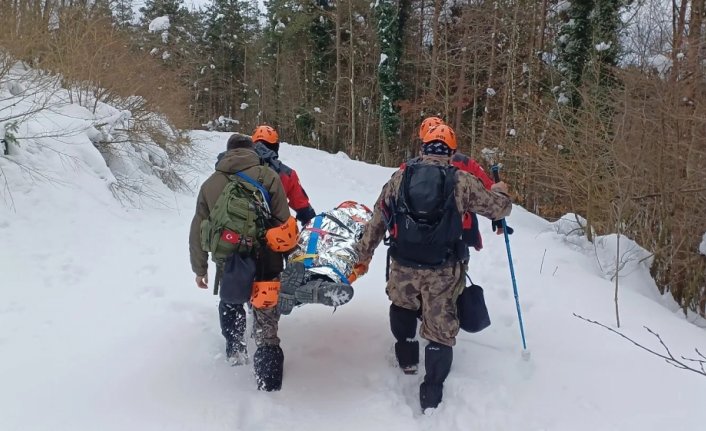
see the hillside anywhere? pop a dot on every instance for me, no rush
(101, 326)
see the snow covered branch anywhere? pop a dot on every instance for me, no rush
(680, 363)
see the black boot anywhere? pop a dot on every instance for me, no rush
(437, 361)
(292, 277)
(269, 363)
(403, 323)
(324, 291)
(232, 318)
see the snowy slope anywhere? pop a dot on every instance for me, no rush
(102, 327)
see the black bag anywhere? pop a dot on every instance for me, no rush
(472, 312)
(237, 279)
(425, 226)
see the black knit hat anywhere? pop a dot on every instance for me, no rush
(239, 141)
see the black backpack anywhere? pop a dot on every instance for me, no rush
(425, 225)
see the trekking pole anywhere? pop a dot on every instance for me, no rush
(525, 353)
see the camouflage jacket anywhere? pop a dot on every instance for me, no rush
(470, 194)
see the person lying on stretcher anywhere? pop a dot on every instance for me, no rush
(320, 270)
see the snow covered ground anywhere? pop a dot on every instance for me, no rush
(102, 327)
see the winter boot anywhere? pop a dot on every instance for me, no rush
(232, 318)
(403, 323)
(292, 277)
(407, 353)
(437, 361)
(237, 353)
(269, 363)
(320, 291)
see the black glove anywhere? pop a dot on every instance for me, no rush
(305, 215)
(498, 226)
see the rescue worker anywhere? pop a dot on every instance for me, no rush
(241, 158)
(422, 207)
(266, 142)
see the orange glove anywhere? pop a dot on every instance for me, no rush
(359, 269)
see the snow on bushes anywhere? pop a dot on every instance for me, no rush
(60, 138)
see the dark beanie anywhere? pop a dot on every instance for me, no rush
(239, 141)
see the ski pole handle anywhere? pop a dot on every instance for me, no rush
(496, 173)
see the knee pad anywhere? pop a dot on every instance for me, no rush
(265, 294)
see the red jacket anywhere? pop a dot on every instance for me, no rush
(467, 164)
(297, 197)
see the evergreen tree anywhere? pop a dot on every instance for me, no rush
(176, 45)
(390, 48)
(229, 28)
(607, 27)
(574, 48)
(174, 9)
(123, 14)
(589, 45)
(301, 41)
(322, 34)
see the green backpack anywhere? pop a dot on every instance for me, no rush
(237, 222)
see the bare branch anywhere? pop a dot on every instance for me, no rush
(668, 357)
(6, 186)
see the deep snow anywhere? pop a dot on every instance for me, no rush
(102, 327)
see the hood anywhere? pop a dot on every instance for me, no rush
(237, 160)
(264, 152)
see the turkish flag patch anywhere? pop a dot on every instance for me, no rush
(230, 236)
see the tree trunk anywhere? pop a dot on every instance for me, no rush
(438, 4)
(491, 72)
(678, 35)
(461, 91)
(352, 80)
(337, 88)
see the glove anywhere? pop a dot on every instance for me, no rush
(305, 215)
(498, 227)
(359, 269)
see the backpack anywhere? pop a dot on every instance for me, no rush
(238, 221)
(425, 225)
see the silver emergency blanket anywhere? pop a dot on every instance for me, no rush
(326, 244)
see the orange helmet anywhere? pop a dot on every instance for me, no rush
(428, 124)
(442, 133)
(265, 133)
(265, 294)
(283, 238)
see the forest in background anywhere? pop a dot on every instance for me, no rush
(593, 107)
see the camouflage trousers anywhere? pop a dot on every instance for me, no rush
(265, 326)
(435, 291)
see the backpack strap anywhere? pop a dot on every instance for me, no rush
(338, 222)
(257, 184)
